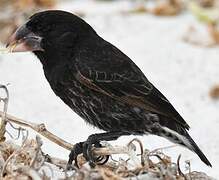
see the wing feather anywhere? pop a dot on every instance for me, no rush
(139, 94)
(114, 74)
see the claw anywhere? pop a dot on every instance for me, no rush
(77, 149)
(87, 153)
(101, 160)
(89, 156)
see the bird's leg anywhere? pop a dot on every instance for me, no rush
(86, 148)
(78, 149)
(95, 139)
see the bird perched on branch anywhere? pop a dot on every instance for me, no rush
(99, 82)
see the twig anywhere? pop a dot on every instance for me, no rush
(162, 148)
(141, 149)
(20, 131)
(111, 150)
(39, 144)
(41, 129)
(3, 116)
(178, 167)
(56, 161)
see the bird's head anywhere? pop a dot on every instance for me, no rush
(48, 31)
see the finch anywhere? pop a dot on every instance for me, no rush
(99, 83)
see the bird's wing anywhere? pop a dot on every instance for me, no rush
(115, 75)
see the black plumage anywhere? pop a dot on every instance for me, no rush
(100, 83)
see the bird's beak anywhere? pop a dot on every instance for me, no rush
(24, 40)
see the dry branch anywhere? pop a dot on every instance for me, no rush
(40, 128)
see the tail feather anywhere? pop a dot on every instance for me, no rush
(197, 150)
(183, 138)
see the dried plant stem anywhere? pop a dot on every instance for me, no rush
(40, 128)
(3, 121)
(111, 150)
(56, 161)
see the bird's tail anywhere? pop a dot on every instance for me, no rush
(183, 138)
(193, 147)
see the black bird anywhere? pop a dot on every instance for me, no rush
(99, 82)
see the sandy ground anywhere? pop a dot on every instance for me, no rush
(183, 72)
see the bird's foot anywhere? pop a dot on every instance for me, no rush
(87, 146)
(88, 154)
(86, 149)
